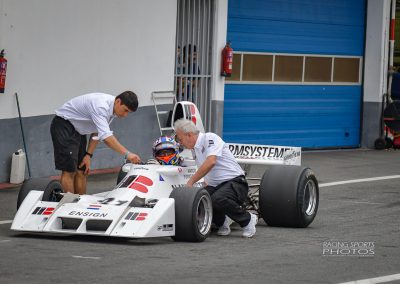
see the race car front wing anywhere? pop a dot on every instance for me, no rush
(90, 218)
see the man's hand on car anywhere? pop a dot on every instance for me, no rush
(133, 158)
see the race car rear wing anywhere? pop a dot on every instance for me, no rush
(244, 153)
(265, 154)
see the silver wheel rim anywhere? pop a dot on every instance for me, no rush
(310, 198)
(204, 214)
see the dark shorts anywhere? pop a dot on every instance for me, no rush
(69, 145)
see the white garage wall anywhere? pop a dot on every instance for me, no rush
(376, 50)
(59, 49)
(375, 69)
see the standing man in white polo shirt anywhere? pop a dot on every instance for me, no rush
(224, 177)
(87, 114)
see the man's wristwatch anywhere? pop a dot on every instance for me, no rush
(90, 155)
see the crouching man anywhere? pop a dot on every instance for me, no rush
(224, 177)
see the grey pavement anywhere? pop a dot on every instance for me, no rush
(354, 212)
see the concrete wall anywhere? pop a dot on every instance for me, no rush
(60, 49)
(375, 68)
(218, 82)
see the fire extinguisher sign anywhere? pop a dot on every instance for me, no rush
(3, 70)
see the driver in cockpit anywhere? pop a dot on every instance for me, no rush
(166, 151)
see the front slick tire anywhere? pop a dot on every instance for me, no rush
(289, 196)
(193, 214)
(49, 187)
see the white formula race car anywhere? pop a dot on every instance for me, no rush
(151, 200)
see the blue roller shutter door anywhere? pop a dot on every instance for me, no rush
(311, 116)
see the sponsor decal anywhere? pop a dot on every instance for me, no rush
(191, 171)
(87, 214)
(180, 170)
(140, 183)
(166, 227)
(255, 151)
(161, 178)
(180, 185)
(289, 156)
(190, 113)
(203, 149)
(94, 207)
(141, 168)
(136, 216)
(210, 143)
(43, 211)
(112, 201)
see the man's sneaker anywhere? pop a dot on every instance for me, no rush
(250, 229)
(225, 229)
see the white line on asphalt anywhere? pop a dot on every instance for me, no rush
(5, 222)
(5, 241)
(387, 278)
(352, 201)
(357, 180)
(86, 257)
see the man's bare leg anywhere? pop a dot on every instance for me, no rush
(67, 181)
(80, 183)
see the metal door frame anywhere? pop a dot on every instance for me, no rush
(194, 42)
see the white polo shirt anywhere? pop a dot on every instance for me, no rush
(90, 113)
(226, 167)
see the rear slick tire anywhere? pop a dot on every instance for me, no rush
(289, 196)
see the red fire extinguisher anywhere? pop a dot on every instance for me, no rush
(3, 69)
(227, 60)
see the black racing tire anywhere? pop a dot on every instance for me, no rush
(193, 214)
(49, 187)
(380, 143)
(289, 196)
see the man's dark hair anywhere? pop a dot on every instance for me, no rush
(129, 99)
